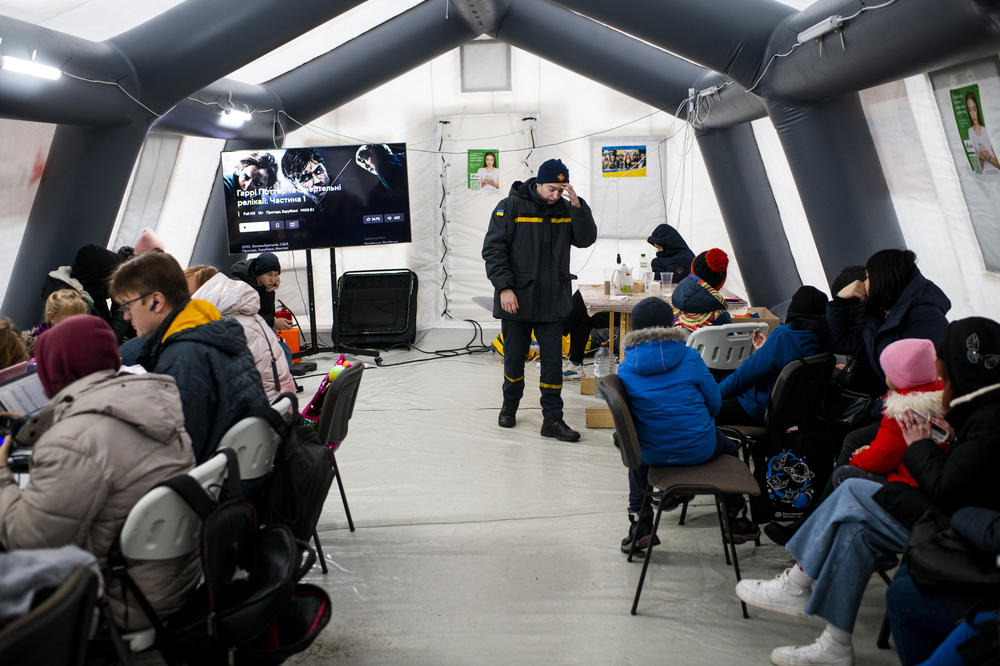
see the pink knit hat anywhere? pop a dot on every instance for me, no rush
(909, 363)
(147, 240)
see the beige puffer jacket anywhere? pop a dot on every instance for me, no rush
(238, 300)
(99, 445)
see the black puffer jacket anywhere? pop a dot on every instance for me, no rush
(675, 257)
(215, 373)
(964, 476)
(527, 249)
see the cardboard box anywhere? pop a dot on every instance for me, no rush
(587, 385)
(763, 315)
(599, 417)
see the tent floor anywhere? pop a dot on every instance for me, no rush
(477, 544)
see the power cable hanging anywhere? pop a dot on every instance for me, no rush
(443, 127)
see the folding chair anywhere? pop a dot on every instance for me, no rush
(725, 475)
(338, 407)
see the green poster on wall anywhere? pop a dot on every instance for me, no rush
(484, 169)
(966, 103)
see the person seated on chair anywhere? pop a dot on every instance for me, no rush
(236, 299)
(864, 522)
(746, 391)
(263, 274)
(674, 402)
(672, 252)
(696, 300)
(102, 442)
(578, 325)
(60, 304)
(190, 341)
(12, 349)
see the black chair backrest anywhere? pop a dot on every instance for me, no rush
(626, 437)
(797, 393)
(57, 630)
(338, 404)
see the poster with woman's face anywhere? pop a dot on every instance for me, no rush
(968, 108)
(484, 170)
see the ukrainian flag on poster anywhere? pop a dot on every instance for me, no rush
(623, 161)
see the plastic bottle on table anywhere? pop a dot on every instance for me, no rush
(645, 273)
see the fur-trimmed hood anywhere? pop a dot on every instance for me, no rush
(656, 333)
(927, 402)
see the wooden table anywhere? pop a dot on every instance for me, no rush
(620, 307)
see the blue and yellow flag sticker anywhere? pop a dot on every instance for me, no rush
(499, 212)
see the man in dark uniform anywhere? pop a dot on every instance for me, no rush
(527, 259)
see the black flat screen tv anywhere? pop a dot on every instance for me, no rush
(305, 198)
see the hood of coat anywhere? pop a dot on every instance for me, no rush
(655, 350)
(924, 399)
(670, 240)
(231, 297)
(695, 295)
(137, 400)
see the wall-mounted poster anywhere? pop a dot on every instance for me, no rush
(968, 107)
(623, 161)
(484, 170)
(968, 95)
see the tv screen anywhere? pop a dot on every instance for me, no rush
(303, 198)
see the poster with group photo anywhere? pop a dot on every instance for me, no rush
(623, 161)
(968, 98)
(484, 169)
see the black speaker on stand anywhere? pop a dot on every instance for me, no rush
(376, 308)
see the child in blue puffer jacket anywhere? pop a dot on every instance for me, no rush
(674, 400)
(746, 391)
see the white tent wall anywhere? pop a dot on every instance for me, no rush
(23, 150)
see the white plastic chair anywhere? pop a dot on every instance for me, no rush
(162, 526)
(725, 347)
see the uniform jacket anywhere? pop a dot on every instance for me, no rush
(885, 454)
(754, 378)
(697, 304)
(215, 374)
(949, 480)
(527, 249)
(99, 445)
(238, 300)
(674, 397)
(675, 257)
(241, 271)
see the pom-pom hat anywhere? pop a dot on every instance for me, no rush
(711, 267)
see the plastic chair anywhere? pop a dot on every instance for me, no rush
(56, 631)
(725, 347)
(725, 475)
(255, 443)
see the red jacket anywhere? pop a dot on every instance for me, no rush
(885, 453)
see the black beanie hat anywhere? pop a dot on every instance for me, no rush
(651, 312)
(552, 171)
(970, 349)
(711, 267)
(265, 263)
(807, 301)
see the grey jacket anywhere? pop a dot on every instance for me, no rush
(99, 445)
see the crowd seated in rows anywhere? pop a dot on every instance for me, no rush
(104, 439)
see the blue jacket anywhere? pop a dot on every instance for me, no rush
(674, 397)
(753, 380)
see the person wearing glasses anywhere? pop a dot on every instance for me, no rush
(189, 340)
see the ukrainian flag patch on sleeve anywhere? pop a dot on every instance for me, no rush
(499, 212)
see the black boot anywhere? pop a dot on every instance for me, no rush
(559, 430)
(508, 416)
(643, 533)
(781, 534)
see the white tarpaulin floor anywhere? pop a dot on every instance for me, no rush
(480, 545)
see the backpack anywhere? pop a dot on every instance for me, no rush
(249, 609)
(302, 476)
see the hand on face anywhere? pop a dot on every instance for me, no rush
(914, 429)
(856, 289)
(570, 194)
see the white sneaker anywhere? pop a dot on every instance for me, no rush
(572, 370)
(778, 594)
(825, 651)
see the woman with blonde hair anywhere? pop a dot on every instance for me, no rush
(12, 350)
(60, 304)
